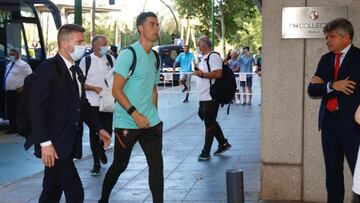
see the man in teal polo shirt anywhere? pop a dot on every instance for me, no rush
(186, 61)
(136, 117)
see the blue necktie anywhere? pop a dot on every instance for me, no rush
(7, 74)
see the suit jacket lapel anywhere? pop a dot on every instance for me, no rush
(344, 67)
(66, 73)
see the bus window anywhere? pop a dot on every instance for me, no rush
(33, 40)
(26, 11)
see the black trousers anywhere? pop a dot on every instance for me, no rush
(339, 137)
(96, 144)
(62, 177)
(208, 111)
(151, 143)
(12, 98)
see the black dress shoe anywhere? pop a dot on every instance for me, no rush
(10, 132)
(355, 198)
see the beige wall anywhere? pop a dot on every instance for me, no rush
(292, 160)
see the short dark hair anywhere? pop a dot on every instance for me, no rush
(15, 50)
(340, 25)
(248, 48)
(67, 29)
(142, 17)
(113, 48)
(97, 37)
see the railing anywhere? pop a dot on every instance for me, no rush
(167, 85)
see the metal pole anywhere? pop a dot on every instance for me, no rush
(212, 23)
(235, 186)
(78, 12)
(93, 15)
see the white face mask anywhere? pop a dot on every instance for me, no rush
(103, 50)
(12, 58)
(78, 53)
(198, 50)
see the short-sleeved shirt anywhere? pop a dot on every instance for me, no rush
(185, 61)
(16, 75)
(139, 88)
(246, 64)
(234, 64)
(202, 84)
(99, 70)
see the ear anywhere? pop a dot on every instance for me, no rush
(140, 28)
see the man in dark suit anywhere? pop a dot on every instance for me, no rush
(58, 107)
(337, 80)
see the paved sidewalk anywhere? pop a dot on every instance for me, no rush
(186, 179)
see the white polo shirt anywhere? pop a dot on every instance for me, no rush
(15, 78)
(98, 71)
(202, 84)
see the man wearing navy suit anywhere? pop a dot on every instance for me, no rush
(58, 107)
(336, 81)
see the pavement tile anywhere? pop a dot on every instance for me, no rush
(186, 179)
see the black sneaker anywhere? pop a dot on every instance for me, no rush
(186, 100)
(222, 148)
(95, 170)
(204, 156)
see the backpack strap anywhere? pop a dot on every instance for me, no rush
(208, 63)
(109, 59)
(87, 64)
(157, 59)
(133, 64)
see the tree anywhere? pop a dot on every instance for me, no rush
(228, 10)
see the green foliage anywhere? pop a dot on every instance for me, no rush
(241, 18)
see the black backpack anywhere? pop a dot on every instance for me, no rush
(88, 62)
(133, 64)
(23, 118)
(224, 88)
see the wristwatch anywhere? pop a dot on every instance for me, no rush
(131, 109)
(330, 85)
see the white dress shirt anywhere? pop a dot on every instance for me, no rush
(16, 76)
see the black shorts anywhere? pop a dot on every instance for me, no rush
(248, 82)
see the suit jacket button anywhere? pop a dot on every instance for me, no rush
(76, 123)
(78, 110)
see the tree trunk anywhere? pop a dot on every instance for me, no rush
(222, 20)
(93, 12)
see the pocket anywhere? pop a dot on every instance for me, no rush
(159, 129)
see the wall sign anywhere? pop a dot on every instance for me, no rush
(308, 22)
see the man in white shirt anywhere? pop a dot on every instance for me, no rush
(208, 108)
(15, 74)
(96, 67)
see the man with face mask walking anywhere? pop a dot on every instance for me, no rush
(57, 108)
(15, 74)
(97, 67)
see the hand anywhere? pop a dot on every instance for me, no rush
(345, 86)
(98, 90)
(140, 120)
(105, 137)
(198, 73)
(48, 155)
(316, 80)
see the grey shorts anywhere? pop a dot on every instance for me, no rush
(186, 77)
